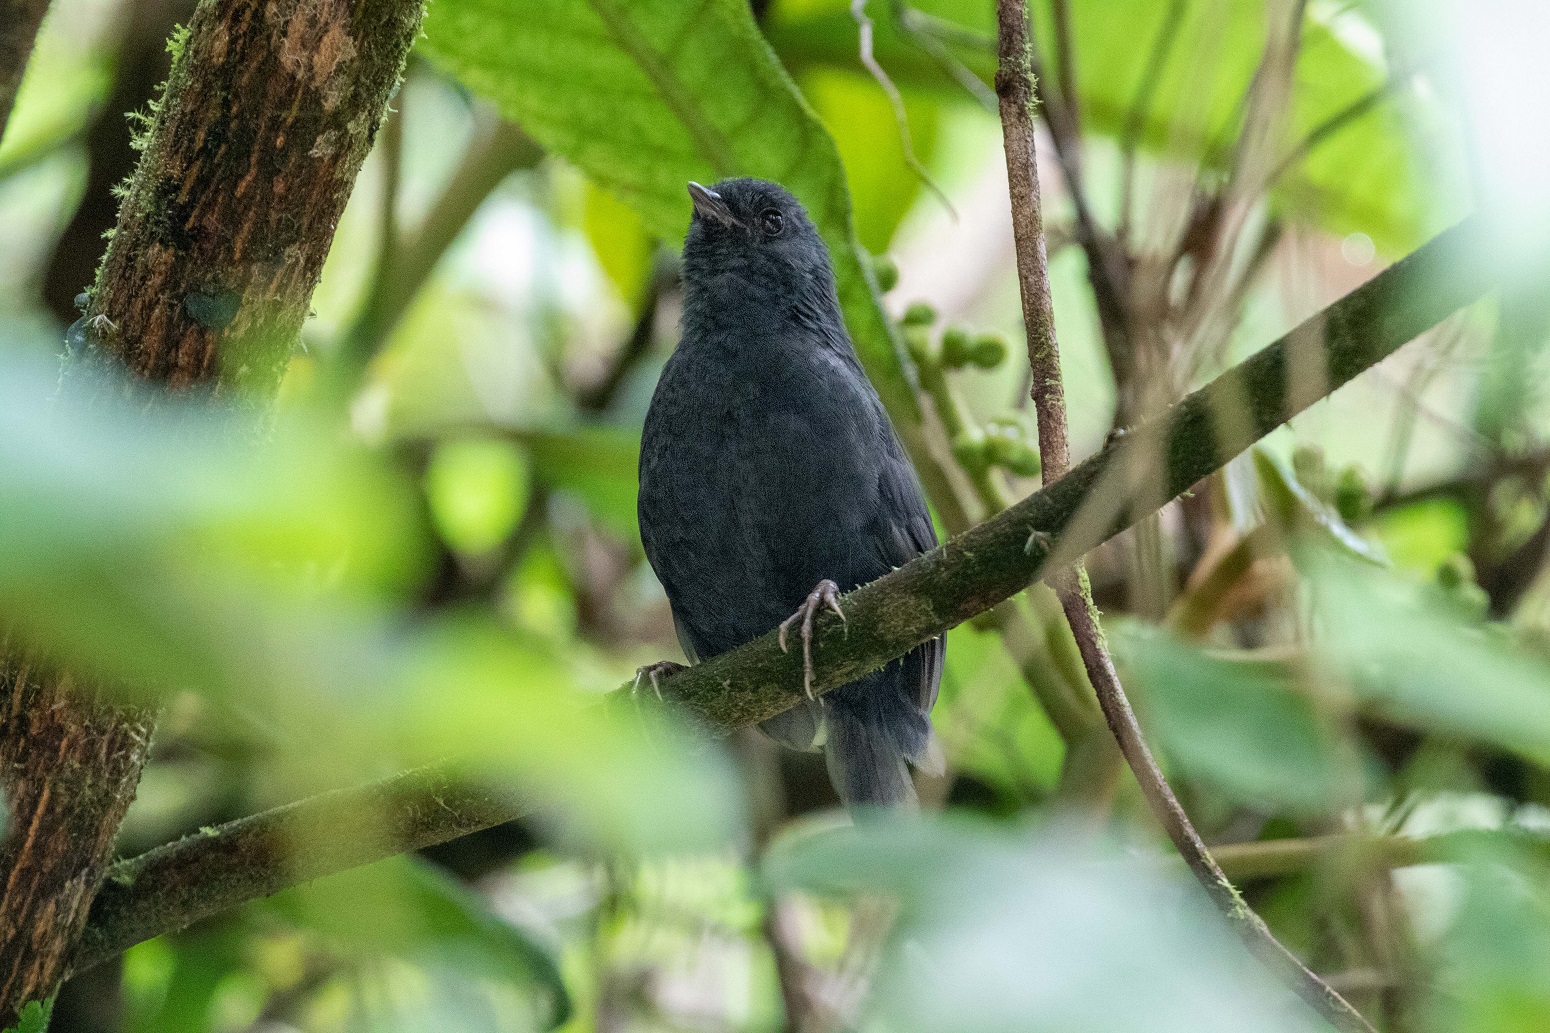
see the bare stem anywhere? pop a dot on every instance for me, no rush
(1014, 87)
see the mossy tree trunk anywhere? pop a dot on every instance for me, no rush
(270, 110)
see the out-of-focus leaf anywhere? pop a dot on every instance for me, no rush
(1297, 507)
(406, 908)
(1011, 930)
(1495, 955)
(645, 97)
(597, 463)
(989, 722)
(171, 546)
(1406, 651)
(882, 185)
(477, 488)
(619, 240)
(1369, 177)
(1421, 536)
(1237, 725)
(199, 963)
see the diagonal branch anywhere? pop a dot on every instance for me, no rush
(170, 887)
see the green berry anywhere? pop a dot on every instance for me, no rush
(921, 313)
(989, 350)
(970, 449)
(955, 347)
(886, 272)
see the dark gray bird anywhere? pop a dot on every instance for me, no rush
(771, 481)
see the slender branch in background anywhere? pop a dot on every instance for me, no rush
(1332, 126)
(1065, 61)
(896, 101)
(599, 396)
(1015, 88)
(968, 575)
(19, 23)
(1141, 110)
(1107, 265)
(497, 149)
(927, 33)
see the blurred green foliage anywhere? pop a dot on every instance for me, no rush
(447, 568)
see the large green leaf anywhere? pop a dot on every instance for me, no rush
(1003, 929)
(647, 96)
(1370, 176)
(406, 908)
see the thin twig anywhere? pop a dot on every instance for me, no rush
(896, 100)
(1332, 126)
(1065, 61)
(1014, 86)
(497, 149)
(926, 32)
(1141, 110)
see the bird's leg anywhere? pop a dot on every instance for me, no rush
(825, 593)
(654, 673)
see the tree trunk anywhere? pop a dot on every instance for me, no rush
(270, 109)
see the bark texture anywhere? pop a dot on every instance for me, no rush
(269, 112)
(172, 887)
(69, 765)
(19, 21)
(270, 109)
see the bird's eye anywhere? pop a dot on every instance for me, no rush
(771, 222)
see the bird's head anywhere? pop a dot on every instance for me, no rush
(753, 234)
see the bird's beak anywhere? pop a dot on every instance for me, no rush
(709, 205)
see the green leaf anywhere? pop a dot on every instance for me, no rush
(34, 1017)
(1380, 174)
(1297, 507)
(1239, 726)
(1008, 929)
(1405, 650)
(170, 546)
(409, 909)
(645, 97)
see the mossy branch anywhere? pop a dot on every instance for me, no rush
(170, 887)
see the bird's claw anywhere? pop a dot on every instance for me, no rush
(826, 594)
(1038, 541)
(653, 674)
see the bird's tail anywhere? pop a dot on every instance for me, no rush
(868, 752)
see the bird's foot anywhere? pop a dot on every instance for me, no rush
(825, 594)
(653, 675)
